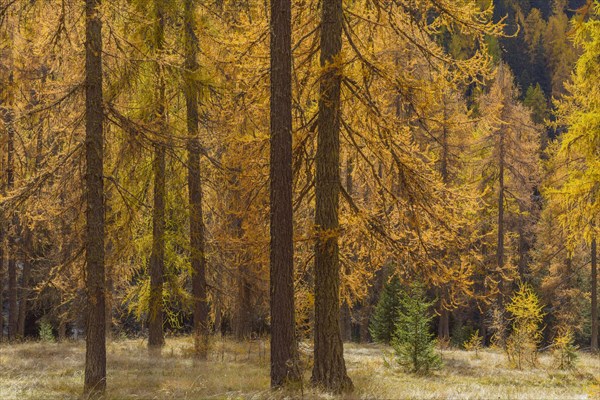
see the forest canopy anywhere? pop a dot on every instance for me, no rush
(294, 170)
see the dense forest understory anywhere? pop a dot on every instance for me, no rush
(363, 198)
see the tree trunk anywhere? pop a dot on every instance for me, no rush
(444, 326)
(95, 341)
(157, 258)
(444, 323)
(218, 302)
(242, 322)
(155, 314)
(500, 242)
(243, 312)
(345, 322)
(329, 370)
(109, 299)
(2, 247)
(197, 252)
(345, 311)
(23, 298)
(594, 342)
(13, 310)
(284, 355)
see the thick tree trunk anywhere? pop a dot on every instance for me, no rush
(284, 355)
(594, 342)
(95, 356)
(329, 370)
(197, 252)
(157, 258)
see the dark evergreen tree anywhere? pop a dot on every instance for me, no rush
(413, 341)
(385, 317)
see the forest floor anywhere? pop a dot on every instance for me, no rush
(36, 370)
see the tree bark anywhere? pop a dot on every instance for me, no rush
(197, 240)
(329, 370)
(157, 258)
(243, 313)
(444, 326)
(13, 310)
(284, 357)
(345, 311)
(155, 314)
(2, 248)
(109, 298)
(594, 341)
(500, 241)
(23, 298)
(95, 356)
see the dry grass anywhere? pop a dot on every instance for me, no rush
(241, 370)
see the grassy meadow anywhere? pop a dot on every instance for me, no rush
(42, 370)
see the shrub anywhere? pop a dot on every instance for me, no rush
(413, 342)
(526, 316)
(564, 349)
(498, 328)
(46, 334)
(475, 343)
(461, 333)
(383, 322)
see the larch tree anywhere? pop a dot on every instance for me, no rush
(329, 370)
(284, 357)
(579, 112)
(157, 259)
(95, 338)
(509, 146)
(197, 235)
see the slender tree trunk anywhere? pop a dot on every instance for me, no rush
(157, 258)
(95, 341)
(197, 252)
(500, 241)
(155, 315)
(218, 302)
(329, 370)
(284, 355)
(594, 342)
(2, 247)
(109, 298)
(243, 312)
(13, 310)
(23, 298)
(345, 311)
(444, 327)
(242, 321)
(444, 323)
(522, 265)
(29, 235)
(345, 322)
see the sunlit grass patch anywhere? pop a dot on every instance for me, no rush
(241, 370)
